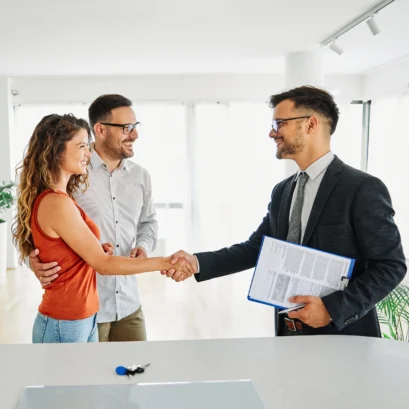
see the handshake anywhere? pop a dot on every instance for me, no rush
(181, 265)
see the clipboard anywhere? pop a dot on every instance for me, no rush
(286, 269)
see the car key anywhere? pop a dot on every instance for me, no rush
(131, 371)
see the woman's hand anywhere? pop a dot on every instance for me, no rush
(182, 267)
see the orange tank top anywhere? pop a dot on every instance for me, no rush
(73, 295)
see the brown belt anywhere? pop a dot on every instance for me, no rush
(293, 325)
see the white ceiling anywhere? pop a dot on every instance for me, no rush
(363, 51)
(97, 37)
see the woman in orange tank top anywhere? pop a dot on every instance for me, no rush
(54, 167)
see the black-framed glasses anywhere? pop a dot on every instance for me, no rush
(126, 128)
(277, 122)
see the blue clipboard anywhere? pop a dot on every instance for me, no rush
(344, 278)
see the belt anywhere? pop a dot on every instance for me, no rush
(293, 325)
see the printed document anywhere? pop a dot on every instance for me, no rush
(285, 269)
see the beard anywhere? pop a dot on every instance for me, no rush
(291, 148)
(115, 150)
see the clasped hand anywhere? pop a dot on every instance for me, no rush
(182, 266)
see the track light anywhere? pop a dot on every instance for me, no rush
(368, 16)
(373, 26)
(336, 48)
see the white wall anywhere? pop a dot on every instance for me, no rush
(391, 78)
(233, 87)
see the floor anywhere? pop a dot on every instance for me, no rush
(189, 310)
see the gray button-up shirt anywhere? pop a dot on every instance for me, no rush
(315, 172)
(121, 205)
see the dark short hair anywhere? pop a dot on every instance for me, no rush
(312, 98)
(100, 109)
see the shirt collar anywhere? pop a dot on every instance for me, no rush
(316, 168)
(97, 162)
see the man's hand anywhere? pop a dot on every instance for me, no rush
(138, 252)
(178, 275)
(313, 314)
(108, 248)
(45, 272)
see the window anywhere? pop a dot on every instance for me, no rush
(213, 168)
(160, 149)
(28, 116)
(388, 154)
(347, 139)
(219, 195)
(235, 169)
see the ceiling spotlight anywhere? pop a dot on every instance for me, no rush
(336, 48)
(373, 26)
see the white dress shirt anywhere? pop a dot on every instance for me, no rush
(121, 205)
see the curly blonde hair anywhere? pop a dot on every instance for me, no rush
(40, 170)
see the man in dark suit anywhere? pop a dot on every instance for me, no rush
(326, 205)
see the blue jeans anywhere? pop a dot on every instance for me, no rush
(48, 330)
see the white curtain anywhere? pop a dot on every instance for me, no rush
(27, 116)
(236, 167)
(161, 150)
(220, 195)
(235, 170)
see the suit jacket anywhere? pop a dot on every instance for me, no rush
(351, 216)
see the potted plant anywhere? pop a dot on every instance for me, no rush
(6, 200)
(393, 313)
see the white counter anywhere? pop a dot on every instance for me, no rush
(328, 372)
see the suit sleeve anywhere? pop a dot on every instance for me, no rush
(380, 243)
(238, 257)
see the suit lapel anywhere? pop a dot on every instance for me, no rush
(284, 212)
(328, 183)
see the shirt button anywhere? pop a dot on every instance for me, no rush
(117, 292)
(116, 222)
(117, 245)
(113, 198)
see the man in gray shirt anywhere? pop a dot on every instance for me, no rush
(119, 201)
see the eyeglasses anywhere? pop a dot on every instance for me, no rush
(277, 122)
(126, 128)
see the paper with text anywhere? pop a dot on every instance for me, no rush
(285, 269)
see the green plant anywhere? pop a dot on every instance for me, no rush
(6, 197)
(393, 313)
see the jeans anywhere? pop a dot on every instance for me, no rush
(48, 330)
